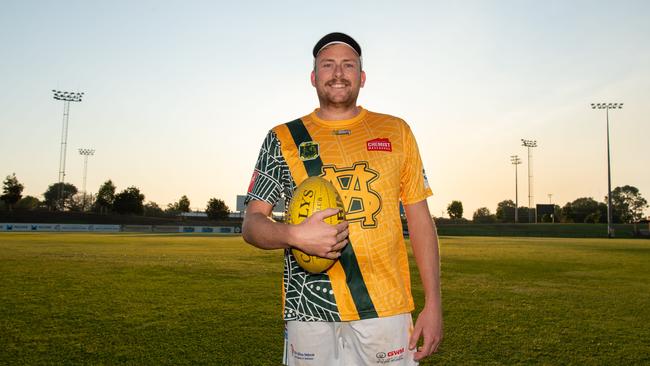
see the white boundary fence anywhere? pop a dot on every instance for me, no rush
(118, 228)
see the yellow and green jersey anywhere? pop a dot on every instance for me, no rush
(374, 162)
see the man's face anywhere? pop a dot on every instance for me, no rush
(337, 76)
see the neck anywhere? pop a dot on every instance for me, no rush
(337, 112)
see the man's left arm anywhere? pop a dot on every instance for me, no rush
(424, 240)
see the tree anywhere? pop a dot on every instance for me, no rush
(584, 209)
(152, 209)
(506, 211)
(483, 216)
(184, 204)
(172, 209)
(28, 203)
(627, 204)
(77, 203)
(217, 209)
(52, 195)
(11, 191)
(129, 201)
(455, 210)
(105, 197)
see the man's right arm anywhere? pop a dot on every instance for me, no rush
(312, 236)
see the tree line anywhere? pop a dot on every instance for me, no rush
(627, 207)
(130, 201)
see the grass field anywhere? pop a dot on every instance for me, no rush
(192, 299)
(539, 230)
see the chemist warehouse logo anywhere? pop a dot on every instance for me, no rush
(379, 145)
(361, 202)
(391, 356)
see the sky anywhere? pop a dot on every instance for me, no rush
(180, 94)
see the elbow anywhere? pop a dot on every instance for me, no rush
(247, 232)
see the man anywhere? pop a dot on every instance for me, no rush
(358, 311)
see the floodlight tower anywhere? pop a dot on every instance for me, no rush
(66, 97)
(86, 153)
(529, 144)
(607, 107)
(514, 159)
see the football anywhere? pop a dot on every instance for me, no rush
(312, 195)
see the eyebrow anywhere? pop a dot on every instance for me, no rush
(333, 60)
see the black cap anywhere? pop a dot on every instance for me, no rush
(336, 37)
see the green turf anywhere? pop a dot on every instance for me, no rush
(539, 230)
(199, 299)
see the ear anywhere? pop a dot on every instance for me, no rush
(313, 78)
(363, 78)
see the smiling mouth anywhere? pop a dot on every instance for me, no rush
(338, 84)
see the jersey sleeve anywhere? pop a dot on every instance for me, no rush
(414, 186)
(266, 182)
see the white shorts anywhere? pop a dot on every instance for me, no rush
(377, 341)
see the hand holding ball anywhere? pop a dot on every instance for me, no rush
(313, 195)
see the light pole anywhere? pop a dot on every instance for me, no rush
(85, 153)
(514, 159)
(529, 144)
(607, 107)
(66, 97)
(550, 201)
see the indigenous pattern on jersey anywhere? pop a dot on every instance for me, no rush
(374, 162)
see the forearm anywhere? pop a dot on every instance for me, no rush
(424, 241)
(263, 232)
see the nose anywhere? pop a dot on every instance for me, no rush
(338, 70)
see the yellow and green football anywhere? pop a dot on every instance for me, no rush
(312, 195)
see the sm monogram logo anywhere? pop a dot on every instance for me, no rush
(362, 204)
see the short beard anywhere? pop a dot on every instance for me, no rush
(325, 101)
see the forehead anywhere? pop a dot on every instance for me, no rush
(338, 52)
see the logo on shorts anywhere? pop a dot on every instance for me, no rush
(391, 356)
(302, 355)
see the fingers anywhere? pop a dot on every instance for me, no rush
(333, 255)
(342, 235)
(413, 340)
(430, 342)
(435, 346)
(425, 350)
(328, 212)
(341, 226)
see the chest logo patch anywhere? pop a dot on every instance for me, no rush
(308, 150)
(379, 144)
(361, 202)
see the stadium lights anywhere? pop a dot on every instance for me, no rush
(514, 159)
(607, 107)
(529, 144)
(66, 97)
(85, 153)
